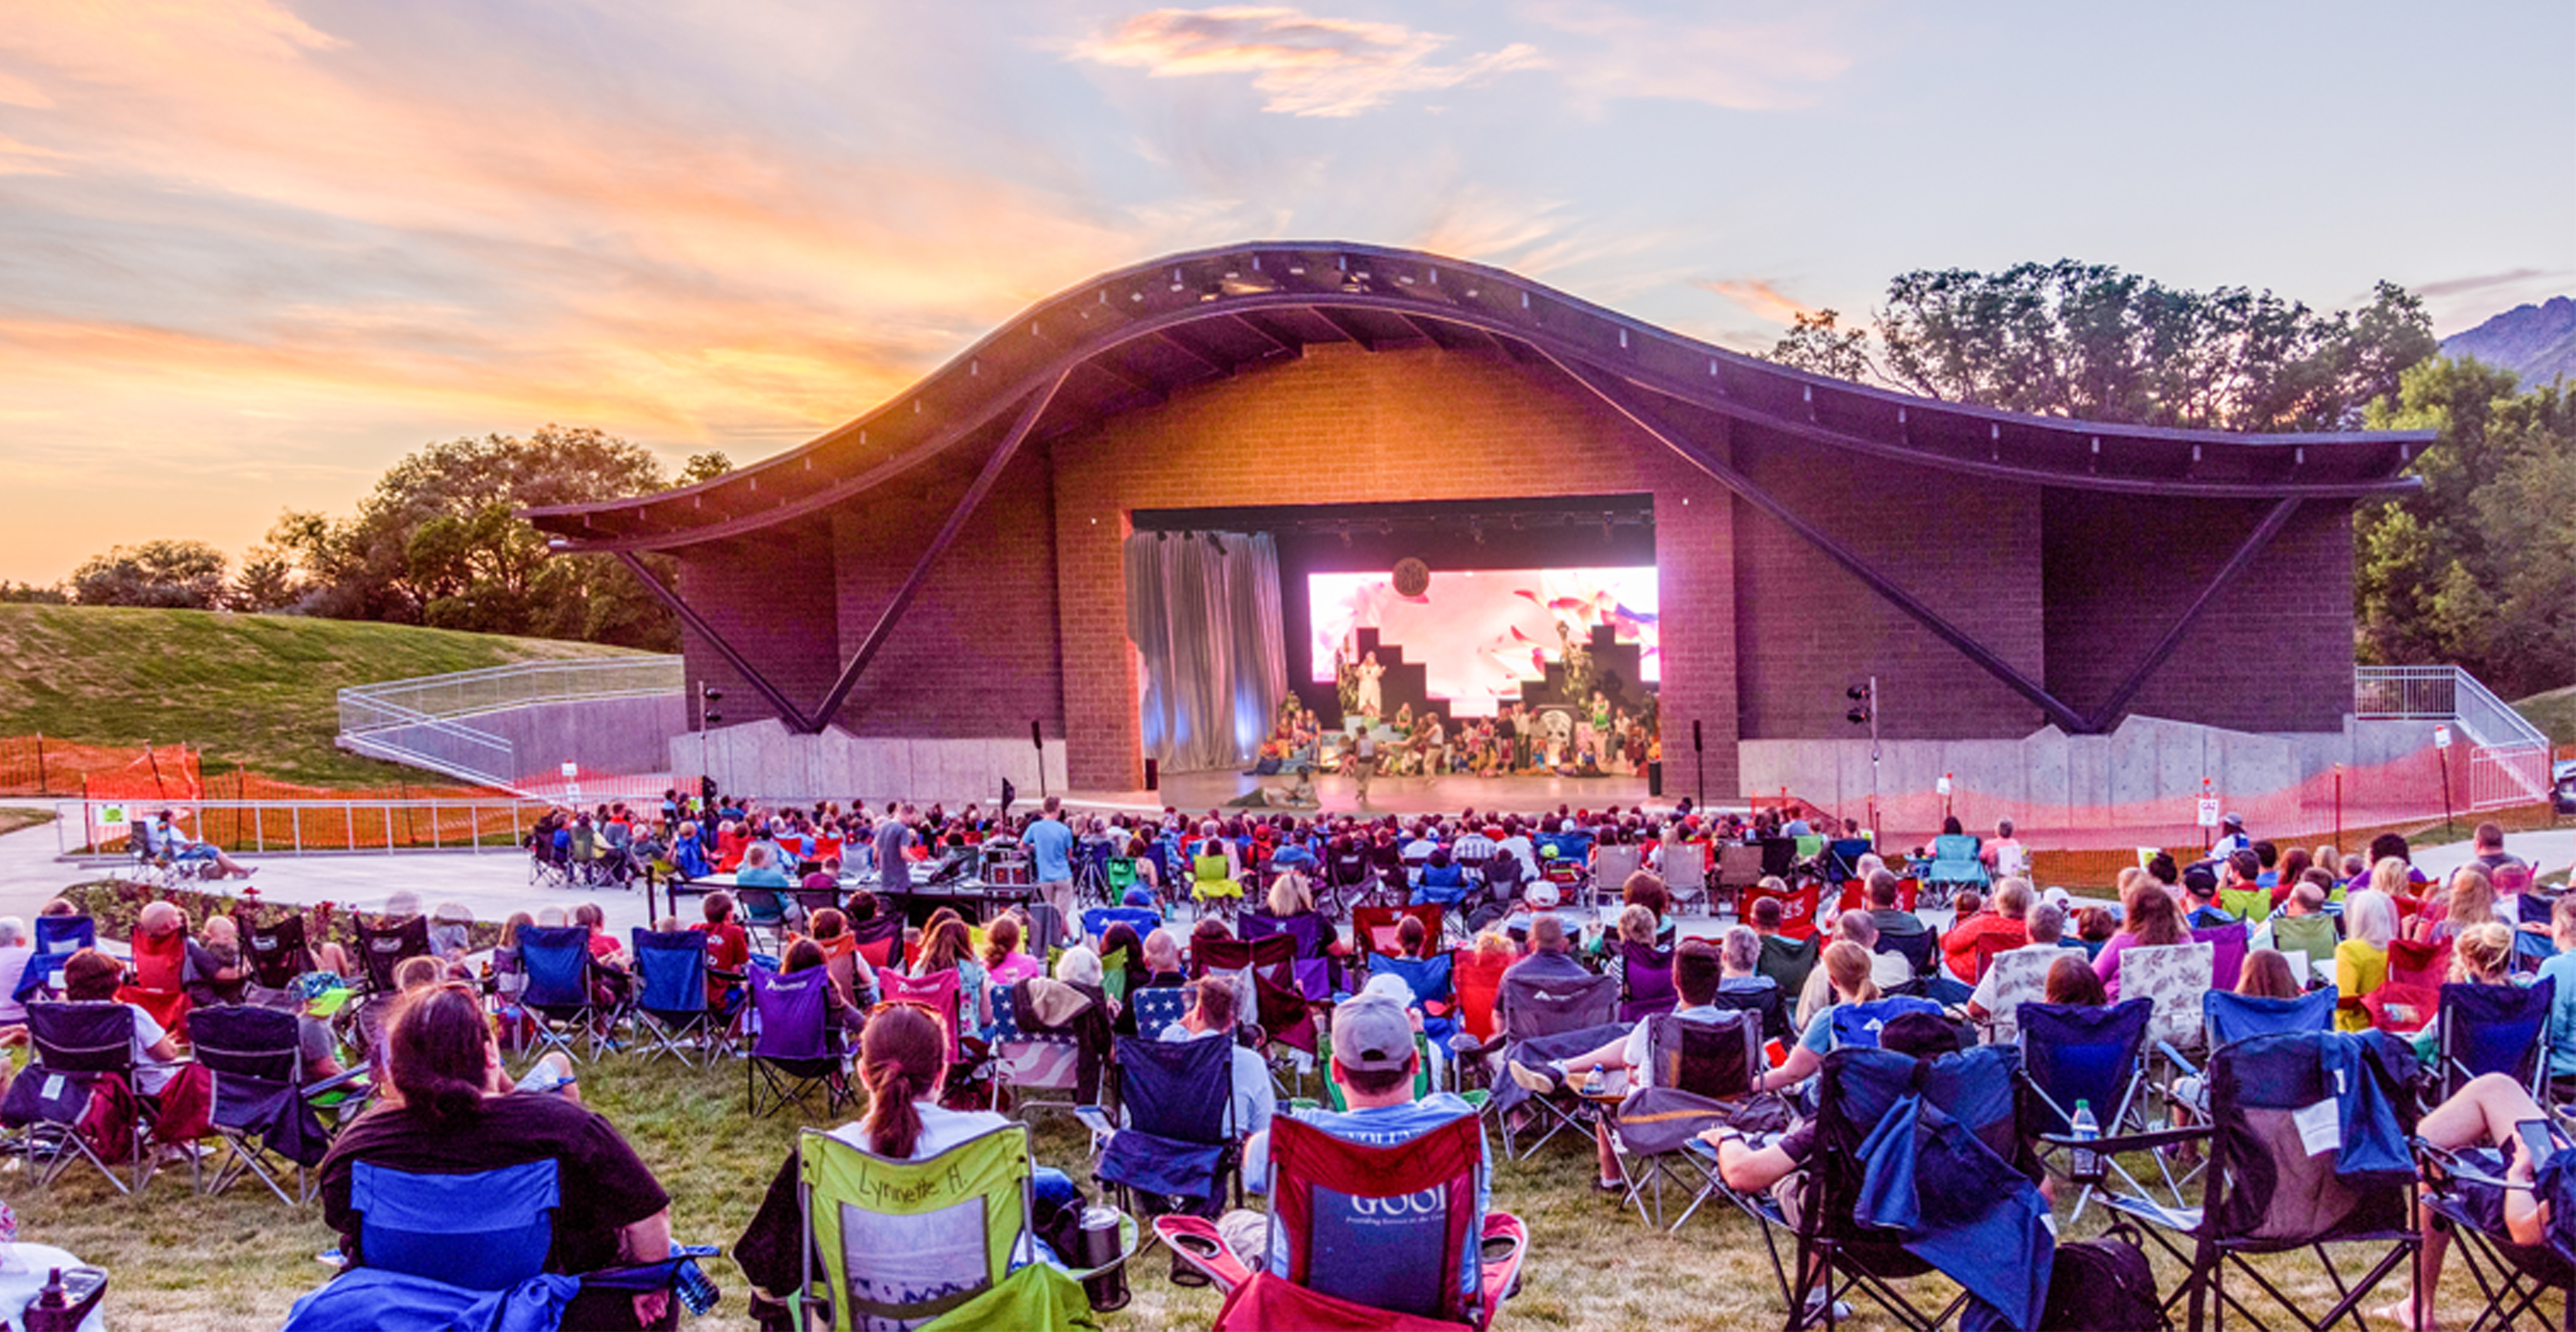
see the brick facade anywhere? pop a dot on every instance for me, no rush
(1025, 617)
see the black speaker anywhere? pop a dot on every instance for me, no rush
(1696, 746)
(1035, 739)
(1153, 775)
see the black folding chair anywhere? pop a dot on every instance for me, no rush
(265, 1112)
(1697, 1066)
(77, 1046)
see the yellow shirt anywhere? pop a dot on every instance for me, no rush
(2359, 969)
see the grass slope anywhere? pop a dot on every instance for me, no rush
(2554, 712)
(247, 690)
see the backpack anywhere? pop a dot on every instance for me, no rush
(2104, 1285)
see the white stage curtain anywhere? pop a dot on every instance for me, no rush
(1203, 609)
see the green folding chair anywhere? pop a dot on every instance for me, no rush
(939, 1244)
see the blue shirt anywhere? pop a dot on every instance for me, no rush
(2562, 1014)
(1052, 844)
(1373, 1246)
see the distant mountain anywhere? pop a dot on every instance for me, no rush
(2537, 342)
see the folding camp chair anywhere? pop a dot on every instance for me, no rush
(1269, 966)
(2019, 976)
(1611, 866)
(880, 940)
(1365, 1236)
(1739, 868)
(1097, 920)
(2073, 1055)
(1696, 1065)
(264, 1112)
(1645, 980)
(2412, 994)
(1429, 980)
(2286, 1173)
(1787, 960)
(2175, 976)
(2307, 1146)
(2313, 937)
(1027, 1062)
(1212, 886)
(1954, 865)
(2512, 1279)
(797, 1048)
(1797, 907)
(1922, 952)
(1769, 1004)
(1309, 931)
(1556, 1013)
(1178, 1148)
(1158, 1007)
(2494, 1029)
(432, 1247)
(386, 942)
(1686, 873)
(1842, 858)
(277, 951)
(1918, 1167)
(159, 968)
(2227, 948)
(2233, 1017)
(671, 1003)
(899, 1243)
(78, 1046)
(762, 909)
(563, 1012)
(56, 938)
(1858, 1025)
(1374, 927)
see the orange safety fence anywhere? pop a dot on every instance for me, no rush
(42, 765)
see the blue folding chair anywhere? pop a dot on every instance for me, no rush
(562, 1013)
(2074, 1053)
(1179, 1145)
(1429, 980)
(463, 1250)
(1097, 920)
(2495, 1029)
(1859, 1024)
(671, 1004)
(56, 939)
(1954, 866)
(2230, 1016)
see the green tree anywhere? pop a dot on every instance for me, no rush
(1816, 345)
(2092, 342)
(2478, 568)
(185, 574)
(439, 541)
(266, 581)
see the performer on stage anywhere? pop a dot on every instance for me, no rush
(1368, 695)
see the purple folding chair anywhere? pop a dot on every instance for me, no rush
(795, 1050)
(2227, 946)
(1646, 981)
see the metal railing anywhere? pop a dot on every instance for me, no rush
(418, 721)
(91, 828)
(2508, 756)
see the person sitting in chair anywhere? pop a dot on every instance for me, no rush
(1697, 972)
(456, 1114)
(1374, 1063)
(206, 858)
(2480, 1123)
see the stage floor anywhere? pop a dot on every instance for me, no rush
(1197, 792)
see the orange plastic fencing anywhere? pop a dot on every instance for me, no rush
(41, 765)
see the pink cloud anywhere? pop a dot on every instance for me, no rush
(1308, 64)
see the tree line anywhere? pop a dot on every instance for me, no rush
(2477, 569)
(437, 542)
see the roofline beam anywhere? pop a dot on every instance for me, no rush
(724, 647)
(903, 595)
(1621, 401)
(1171, 338)
(2253, 545)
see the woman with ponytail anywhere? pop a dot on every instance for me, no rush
(453, 1111)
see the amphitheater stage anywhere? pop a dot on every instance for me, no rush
(1197, 792)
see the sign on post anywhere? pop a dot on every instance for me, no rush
(2442, 737)
(1942, 787)
(571, 769)
(2208, 813)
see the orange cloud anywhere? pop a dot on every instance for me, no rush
(1757, 296)
(1310, 65)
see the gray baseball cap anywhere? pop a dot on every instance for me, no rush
(1371, 1034)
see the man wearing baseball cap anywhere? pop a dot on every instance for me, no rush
(1374, 1065)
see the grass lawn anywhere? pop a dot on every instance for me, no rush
(255, 690)
(2554, 712)
(180, 1262)
(12, 819)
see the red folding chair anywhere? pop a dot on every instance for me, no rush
(1400, 1221)
(1376, 926)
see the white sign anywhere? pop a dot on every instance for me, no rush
(2208, 813)
(572, 770)
(1942, 787)
(2441, 737)
(111, 813)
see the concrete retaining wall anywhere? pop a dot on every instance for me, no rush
(764, 761)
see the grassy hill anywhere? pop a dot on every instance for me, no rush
(2554, 712)
(247, 690)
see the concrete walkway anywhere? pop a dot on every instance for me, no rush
(2548, 852)
(491, 884)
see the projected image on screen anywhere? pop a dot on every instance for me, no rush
(1481, 634)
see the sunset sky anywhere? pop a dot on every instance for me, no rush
(252, 251)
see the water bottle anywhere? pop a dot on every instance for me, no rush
(2084, 1164)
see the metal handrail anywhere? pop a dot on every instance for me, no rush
(464, 693)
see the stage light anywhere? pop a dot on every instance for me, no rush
(1476, 529)
(1605, 527)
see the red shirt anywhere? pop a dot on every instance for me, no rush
(1959, 946)
(728, 949)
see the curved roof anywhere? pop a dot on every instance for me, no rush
(1131, 338)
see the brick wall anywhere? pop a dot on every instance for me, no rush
(2273, 653)
(771, 598)
(1967, 547)
(1344, 426)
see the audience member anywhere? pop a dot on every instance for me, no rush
(2006, 924)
